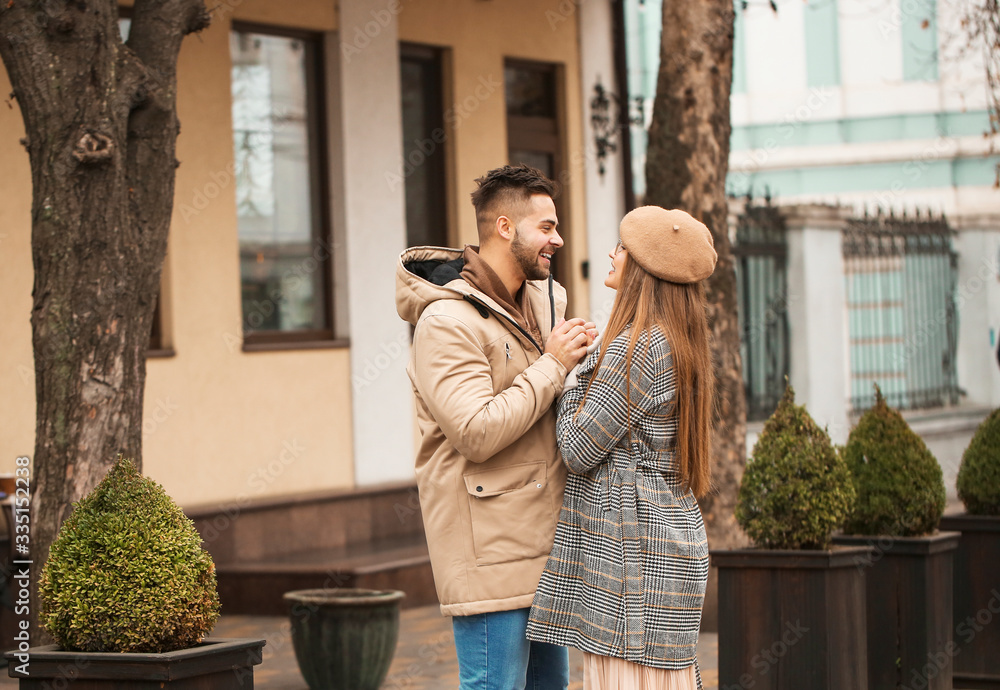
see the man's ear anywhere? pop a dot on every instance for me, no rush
(505, 227)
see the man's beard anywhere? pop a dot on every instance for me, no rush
(527, 259)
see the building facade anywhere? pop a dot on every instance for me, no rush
(842, 109)
(319, 140)
(848, 102)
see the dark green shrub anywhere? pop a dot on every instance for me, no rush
(796, 489)
(978, 481)
(898, 481)
(127, 572)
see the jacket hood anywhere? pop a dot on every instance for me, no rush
(425, 275)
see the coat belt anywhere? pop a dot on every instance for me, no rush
(635, 635)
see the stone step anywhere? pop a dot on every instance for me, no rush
(256, 587)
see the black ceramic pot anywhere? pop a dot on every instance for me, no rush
(344, 639)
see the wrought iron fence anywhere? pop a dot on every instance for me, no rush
(761, 251)
(901, 275)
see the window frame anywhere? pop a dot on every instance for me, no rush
(435, 56)
(545, 135)
(319, 179)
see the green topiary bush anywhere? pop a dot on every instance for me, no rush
(978, 480)
(898, 481)
(796, 489)
(127, 572)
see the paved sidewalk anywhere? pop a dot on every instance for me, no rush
(425, 657)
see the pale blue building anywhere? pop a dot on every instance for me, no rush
(842, 110)
(856, 102)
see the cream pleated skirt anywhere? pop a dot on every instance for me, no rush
(609, 673)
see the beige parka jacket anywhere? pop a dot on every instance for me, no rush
(489, 474)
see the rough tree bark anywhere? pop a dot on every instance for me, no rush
(686, 165)
(101, 124)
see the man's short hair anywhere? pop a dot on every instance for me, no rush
(506, 191)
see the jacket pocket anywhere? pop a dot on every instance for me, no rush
(511, 513)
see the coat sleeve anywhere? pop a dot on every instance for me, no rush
(453, 376)
(586, 433)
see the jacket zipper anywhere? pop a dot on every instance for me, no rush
(512, 323)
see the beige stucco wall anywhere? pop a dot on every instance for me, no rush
(17, 372)
(219, 424)
(222, 425)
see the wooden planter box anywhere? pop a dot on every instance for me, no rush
(790, 620)
(976, 600)
(909, 610)
(216, 664)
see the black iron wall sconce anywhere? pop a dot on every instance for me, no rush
(608, 120)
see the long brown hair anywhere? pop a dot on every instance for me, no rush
(644, 301)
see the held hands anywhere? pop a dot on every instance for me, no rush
(568, 341)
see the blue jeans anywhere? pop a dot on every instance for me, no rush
(494, 654)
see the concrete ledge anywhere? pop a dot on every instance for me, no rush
(370, 537)
(947, 420)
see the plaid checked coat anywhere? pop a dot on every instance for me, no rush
(626, 576)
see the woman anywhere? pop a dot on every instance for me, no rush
(626, 577)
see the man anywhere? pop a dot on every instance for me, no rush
(490, 354)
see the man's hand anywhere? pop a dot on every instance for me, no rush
(568, 341)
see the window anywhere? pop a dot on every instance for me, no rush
(157, 346)
(533, 136)
(280, 181)
(901, 276)
(423, 146)
(532, 126)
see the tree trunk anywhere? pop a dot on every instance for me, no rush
(686, 165)
(101, 124)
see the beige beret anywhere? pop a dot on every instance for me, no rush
(669, 244)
